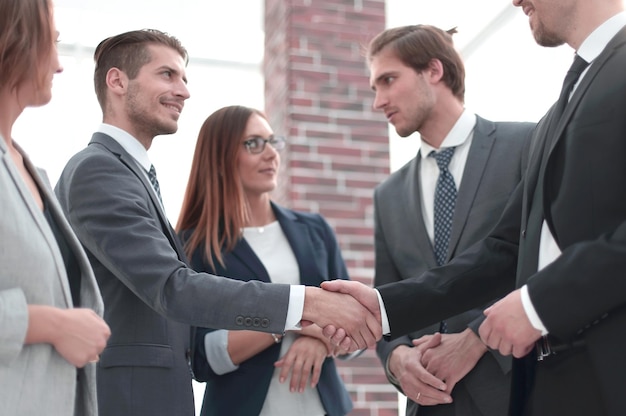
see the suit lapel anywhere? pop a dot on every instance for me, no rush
(36, 214)
(482, 142)
(578, 94)
(580, 90)
(413, 214)
(300, 240)
(243, 254)
(114, 147)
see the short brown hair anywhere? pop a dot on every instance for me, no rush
(26, 39)
(417, 45)
(128, 52)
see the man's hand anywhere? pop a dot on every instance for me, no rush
(454, 357)
(507, 327)
(304, 359)
(405, 363)
(354, 326)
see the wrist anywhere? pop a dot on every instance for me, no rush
(395, 361)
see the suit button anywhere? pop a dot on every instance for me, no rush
(239, 320)
(248, 321)
(265, 322)
(256, 322)
(524, 233)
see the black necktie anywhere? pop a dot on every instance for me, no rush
(154, 181)
(536, 214)
(577, 68)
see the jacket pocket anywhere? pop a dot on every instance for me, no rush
(137, 355)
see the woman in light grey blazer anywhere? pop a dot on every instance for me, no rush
(50, 307)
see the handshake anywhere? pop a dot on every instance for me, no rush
(347, 311)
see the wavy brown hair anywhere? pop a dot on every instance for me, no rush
(417, 45)
(26, 40)
(215, 208)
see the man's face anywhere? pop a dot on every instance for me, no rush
(550, 20)
(157, 95)
(402, 94)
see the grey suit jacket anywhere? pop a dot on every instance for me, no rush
(35, 378)
(150, 294)
(495, 164)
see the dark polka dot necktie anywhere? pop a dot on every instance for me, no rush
(154, 181)
(445, 200)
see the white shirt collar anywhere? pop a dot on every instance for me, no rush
(599, 38)
(458, 135)
(129, 143)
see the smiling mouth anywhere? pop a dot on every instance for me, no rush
(175, 107)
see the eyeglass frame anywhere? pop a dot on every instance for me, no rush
(277, 142)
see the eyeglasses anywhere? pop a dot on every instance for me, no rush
(256, 144)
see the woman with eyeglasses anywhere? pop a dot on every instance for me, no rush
(231, 227)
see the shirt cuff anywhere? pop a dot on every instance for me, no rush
(296, 307)
(216, 350)
(383, 314)
(531, 313)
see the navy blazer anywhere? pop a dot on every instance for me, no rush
(243, 391)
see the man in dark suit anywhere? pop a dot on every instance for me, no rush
(562, 237)
(419, 82)
(110, 195)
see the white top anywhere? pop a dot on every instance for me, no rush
(272, 248)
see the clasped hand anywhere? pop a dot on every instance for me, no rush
(507, 327)
(347, 311)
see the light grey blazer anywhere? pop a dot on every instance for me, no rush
(35, 379)
(495, 164)
(151, 296)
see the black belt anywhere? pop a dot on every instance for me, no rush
(548, 346)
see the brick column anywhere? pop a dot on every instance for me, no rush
(317, 93)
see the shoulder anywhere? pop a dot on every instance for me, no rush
(504, 129)
(311, 220)
(397, 181)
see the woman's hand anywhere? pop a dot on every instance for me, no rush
(303, 359)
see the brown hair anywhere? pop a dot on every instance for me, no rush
(26, 39)
(128, 52)
(417, 45)
(215, 208)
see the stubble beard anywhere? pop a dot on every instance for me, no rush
(144, 120)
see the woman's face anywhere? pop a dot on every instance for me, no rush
(258, 172)
(36, 90)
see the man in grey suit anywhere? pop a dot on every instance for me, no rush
(111, 196)
(418, 77)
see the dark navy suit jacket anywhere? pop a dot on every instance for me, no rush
(243, 391)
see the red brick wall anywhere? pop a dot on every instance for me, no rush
(317, 94)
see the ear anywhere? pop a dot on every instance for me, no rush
(435, 70)
(117, 81)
